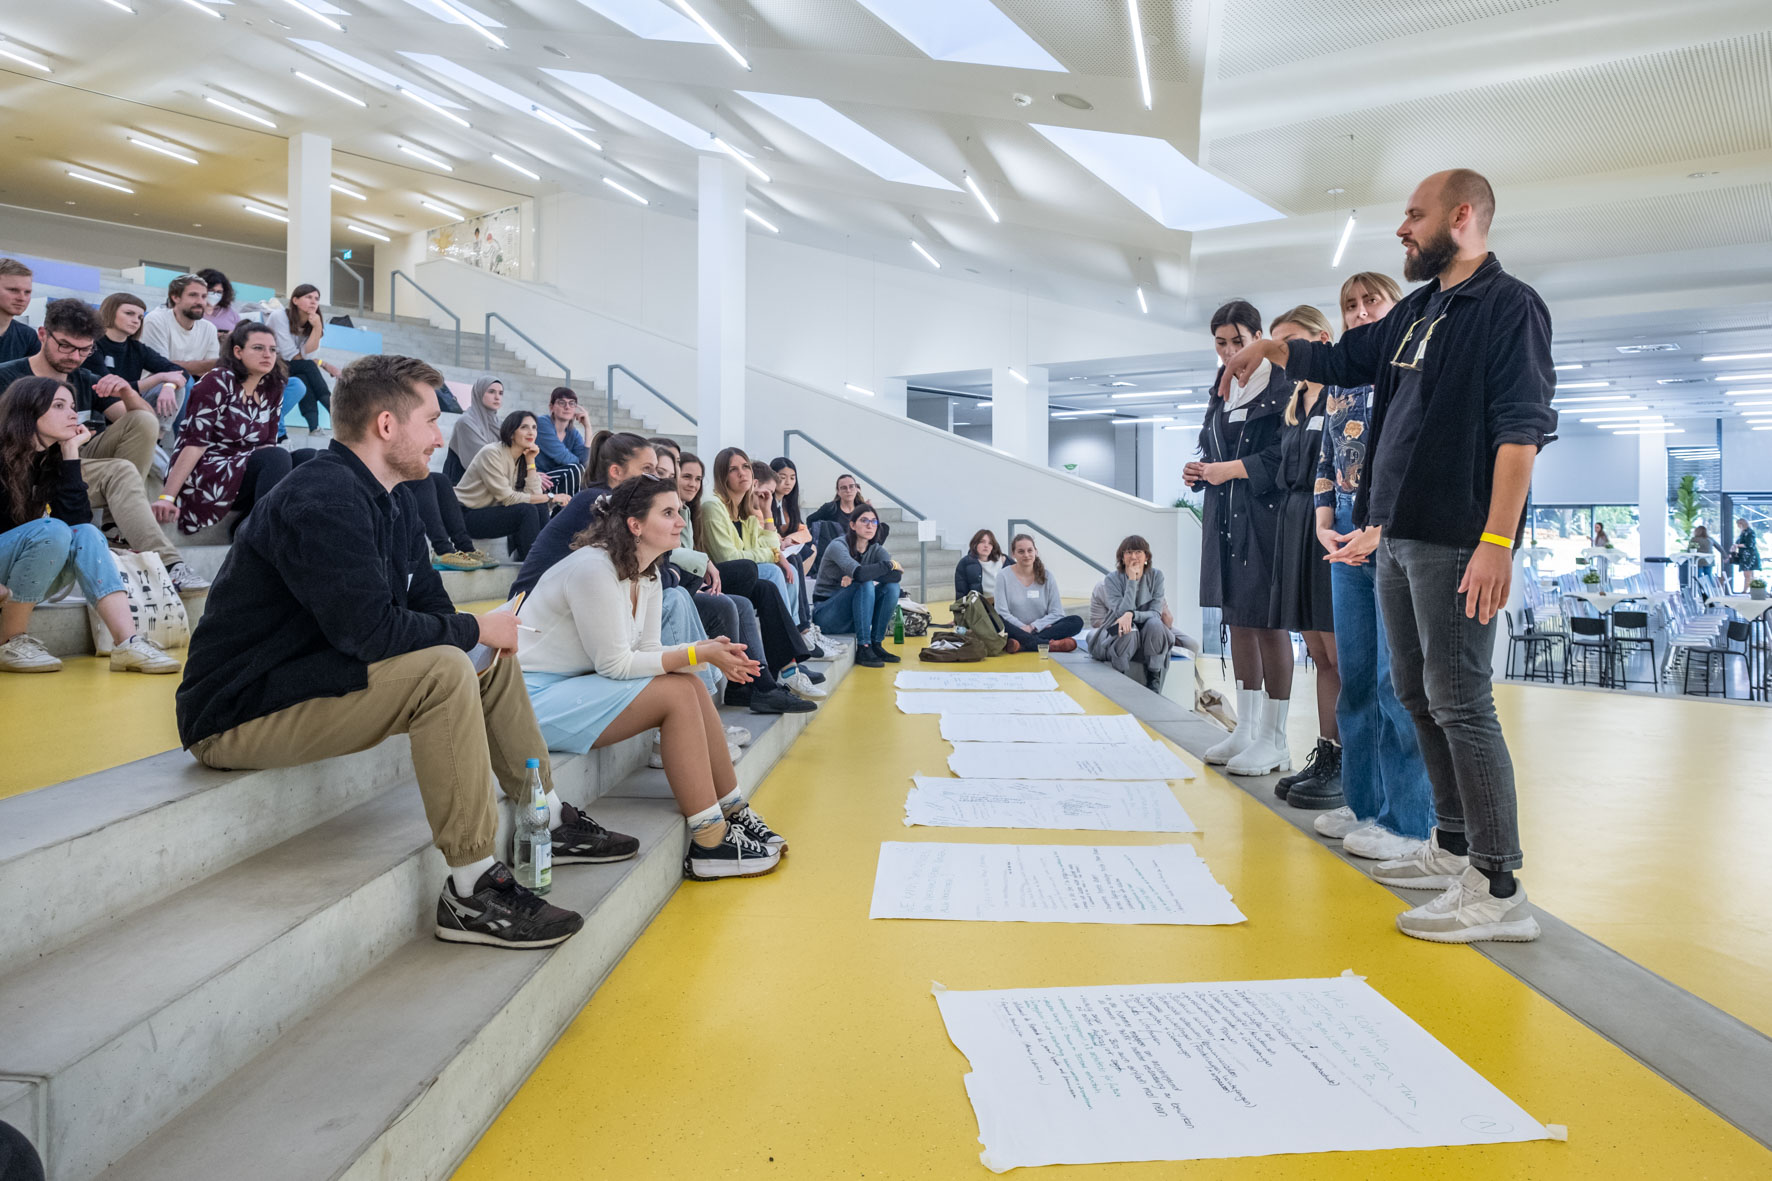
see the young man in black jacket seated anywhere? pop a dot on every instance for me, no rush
(328, 630)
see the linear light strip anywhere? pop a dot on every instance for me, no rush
(547, 116)
(465, 19)
(1016, 374)
(625, 191)
(928, 257)
(855, 389)
(1142, 305)
(711, 31)
(433, 161)
(761, 220)
(516, 167)
(204, 8)
(1347, 232)
(347, 191)
(366, 231)
(432, 205)
(328, 88)
(422, 101)
(263, 212)
(23, 60)
(163, 150)
(1570, 365)
(120, 6)
(94, 180)
(1144, 69)
(979, 193)
(1717, 358)
(750, 165)
(317, 15)
(244, 114)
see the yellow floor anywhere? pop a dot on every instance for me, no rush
(1644, 822)
(768, 1028)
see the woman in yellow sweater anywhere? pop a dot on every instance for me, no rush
(501, 492)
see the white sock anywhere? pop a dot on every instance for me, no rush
(703, 821)
(467, 876)
(555, 812)
(732, 803)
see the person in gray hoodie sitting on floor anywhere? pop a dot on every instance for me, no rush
(1127, 612)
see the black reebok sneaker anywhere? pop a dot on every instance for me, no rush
(500, 913)
(779, 701)
(865, 658)
(582, 841)
(880, 653)
(757, 830)
(738, 855)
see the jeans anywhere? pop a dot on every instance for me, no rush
(680, 623)
(316, 396)
(1441, 667)
(771, 573)
(1062, 628)
(1382, 773)
(864, 608)
(40, 557)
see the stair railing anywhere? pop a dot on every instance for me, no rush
(609, 393)
(490, 317)
(787, 438)
(393, 290)
(353, 273)
(1062, 544)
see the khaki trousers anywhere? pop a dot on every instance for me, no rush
(116, 487)
(462, 725)
(133, 437)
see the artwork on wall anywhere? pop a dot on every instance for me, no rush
(491, 241)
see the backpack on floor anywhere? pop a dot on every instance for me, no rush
(953, 648)
(974, 616)
(916, 618)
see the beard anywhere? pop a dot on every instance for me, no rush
(1431, 256)
(409, 462)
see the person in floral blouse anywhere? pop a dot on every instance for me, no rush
(227, 454)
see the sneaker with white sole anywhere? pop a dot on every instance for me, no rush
(738, 736)
(138, 654)
(800, 685)
(758, 831)
(501, 913)
(1377, 843)
(1468, 913)
(186, 580)
(1432, 868)
(579, 840)
(25, 654)
(1337, 823)
(738, 855)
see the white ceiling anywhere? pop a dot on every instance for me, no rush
(1630, 140)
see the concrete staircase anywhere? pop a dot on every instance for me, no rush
(902, 543)
(232, 973)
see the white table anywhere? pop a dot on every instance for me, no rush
(1749, 608)
(1606, 600)
(1754, 611)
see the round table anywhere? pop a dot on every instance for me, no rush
(1754, 611)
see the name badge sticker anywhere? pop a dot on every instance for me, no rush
(1035, 592)
(1238, 415)
(1315, 424)
(110, 361)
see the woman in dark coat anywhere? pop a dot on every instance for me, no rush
(1239, 471)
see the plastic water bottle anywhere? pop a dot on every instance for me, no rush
(532, 844)
(898, 625)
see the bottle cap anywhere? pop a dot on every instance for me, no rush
(532, 764)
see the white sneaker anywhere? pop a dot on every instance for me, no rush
(186, 580)
(138, 654)
(800, 685)
(1268, 753)
(1338, 822)
(1377, 843)
(25, 654)
(738, 736)
(1248, 722)
(1468, 913)
(1432, 868)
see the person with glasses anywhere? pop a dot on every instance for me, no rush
(858, 586)
(117, 456)
(561, 438)
(1463, 383)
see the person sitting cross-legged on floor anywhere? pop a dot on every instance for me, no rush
(598, 674)
(858, 588)
(1027, 599)
(501, 493)
(327, 631)
(42, 553)
(1130, 631)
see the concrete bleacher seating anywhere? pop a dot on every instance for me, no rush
(234, 972)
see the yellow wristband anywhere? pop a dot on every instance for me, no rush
(692, 656)
(1498, 539)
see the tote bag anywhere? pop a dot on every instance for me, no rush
(153, 602)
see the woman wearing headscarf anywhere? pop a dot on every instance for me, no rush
(477, 428)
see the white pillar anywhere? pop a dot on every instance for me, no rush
(308, 256)
(1019, 414)
(1652, 498)
(720, 301)
(894, 396)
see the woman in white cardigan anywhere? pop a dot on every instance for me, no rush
(501, 492)
(597, 674)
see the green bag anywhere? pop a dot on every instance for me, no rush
(974, 616)
(952, 648)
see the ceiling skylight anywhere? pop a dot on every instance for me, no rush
(974, 31)
(1156, 177)
(485, 87)
(628, 103)
(350, 65)
(650, 19)
(443, 12)
(844, 135)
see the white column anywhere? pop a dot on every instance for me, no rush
(308, 256)
(720, 300)
(1019, 413)
(893, 396)
(1652, 498)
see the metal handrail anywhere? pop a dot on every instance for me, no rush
(353, 273)
(393, 290)
(491, 316)
(787, 438)
(609, 394)
(1062, 544)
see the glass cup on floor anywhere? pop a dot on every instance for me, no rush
(1042, 646)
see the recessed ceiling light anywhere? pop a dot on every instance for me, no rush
(421, 154)
(979, 193)
(244, 114)
(625, 191)
(761, 220)
(1075, 101)
(1582, 385)
(1144, 68)
(547, 116)
(516, 167)
(422, 101)
(367, 232)
(328, 88)
(750, 166)
(319, 16)
(161, 148)
(95, 180)
(1744, 377)
(928, 257)
(261, 211)
(1739, 404)
(347, 191)
(855, 389)
(1718, 357)
(710, 30)
(1570, 365)
(1745, 393)
(471, 22)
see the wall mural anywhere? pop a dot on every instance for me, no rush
(490, 241)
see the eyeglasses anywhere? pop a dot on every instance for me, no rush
(1415, 362)
(73, 348)
(867, 520)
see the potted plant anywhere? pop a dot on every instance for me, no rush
(1757, 588)
(1591, 578)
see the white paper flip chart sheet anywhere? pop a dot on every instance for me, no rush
(1048, 884)
(1102, 805)
(988, 703)
(1197, 1071)
(1040, 682)
(1109, 728)
(1045, 760)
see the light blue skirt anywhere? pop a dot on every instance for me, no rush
(573, 712)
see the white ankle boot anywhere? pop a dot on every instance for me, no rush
(1248, 726)
(1268, 752)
